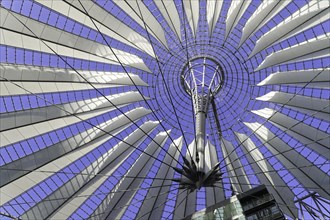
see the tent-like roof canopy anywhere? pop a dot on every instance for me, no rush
(94, 115)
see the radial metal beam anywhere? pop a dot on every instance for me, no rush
(213, 194)
(70, 187)
(22, 133)
(37, 114)
(235, 12)
(9, 89)
(132, 7)
(185, 204)
(171, 15)
(15, 72)
(36, 176)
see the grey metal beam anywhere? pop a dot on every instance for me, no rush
(235, 12)
(34, 35)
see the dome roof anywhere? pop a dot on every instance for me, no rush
(96, 118)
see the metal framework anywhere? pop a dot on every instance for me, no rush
(155, 109)
(202, 78)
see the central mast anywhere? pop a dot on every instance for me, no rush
(202, 78)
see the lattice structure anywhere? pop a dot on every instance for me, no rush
(95, 113)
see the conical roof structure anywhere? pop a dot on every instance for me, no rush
(97, 121)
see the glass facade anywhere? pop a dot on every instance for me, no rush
(261, 205)
(255, 204)
(233, 210)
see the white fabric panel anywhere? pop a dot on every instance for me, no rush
(317, 85)
(170, 14)
(133, 7)
(316, 139)
(313, 13)
(213, 9)
(87, 142)
(10, 89)
(266, 11)
(298, 77)
(27, 181)
(266, 174)
(34, 73)
(105, 160)
(140, 168)
(152, 207)
(209, 162)
(317, 107)
(237, 175)
(210, 158)
(192, 12)
(13, 39)
(191, 152)
(311, 49)
(188, 206)
(114, 158)
(320, 115)
(26, 132)
(35, 115)
(105, 22)
(43, 156)
(60, 41)
(235, 12)
(306, 173)
(213, 194)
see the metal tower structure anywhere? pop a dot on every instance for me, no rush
(202, 79)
